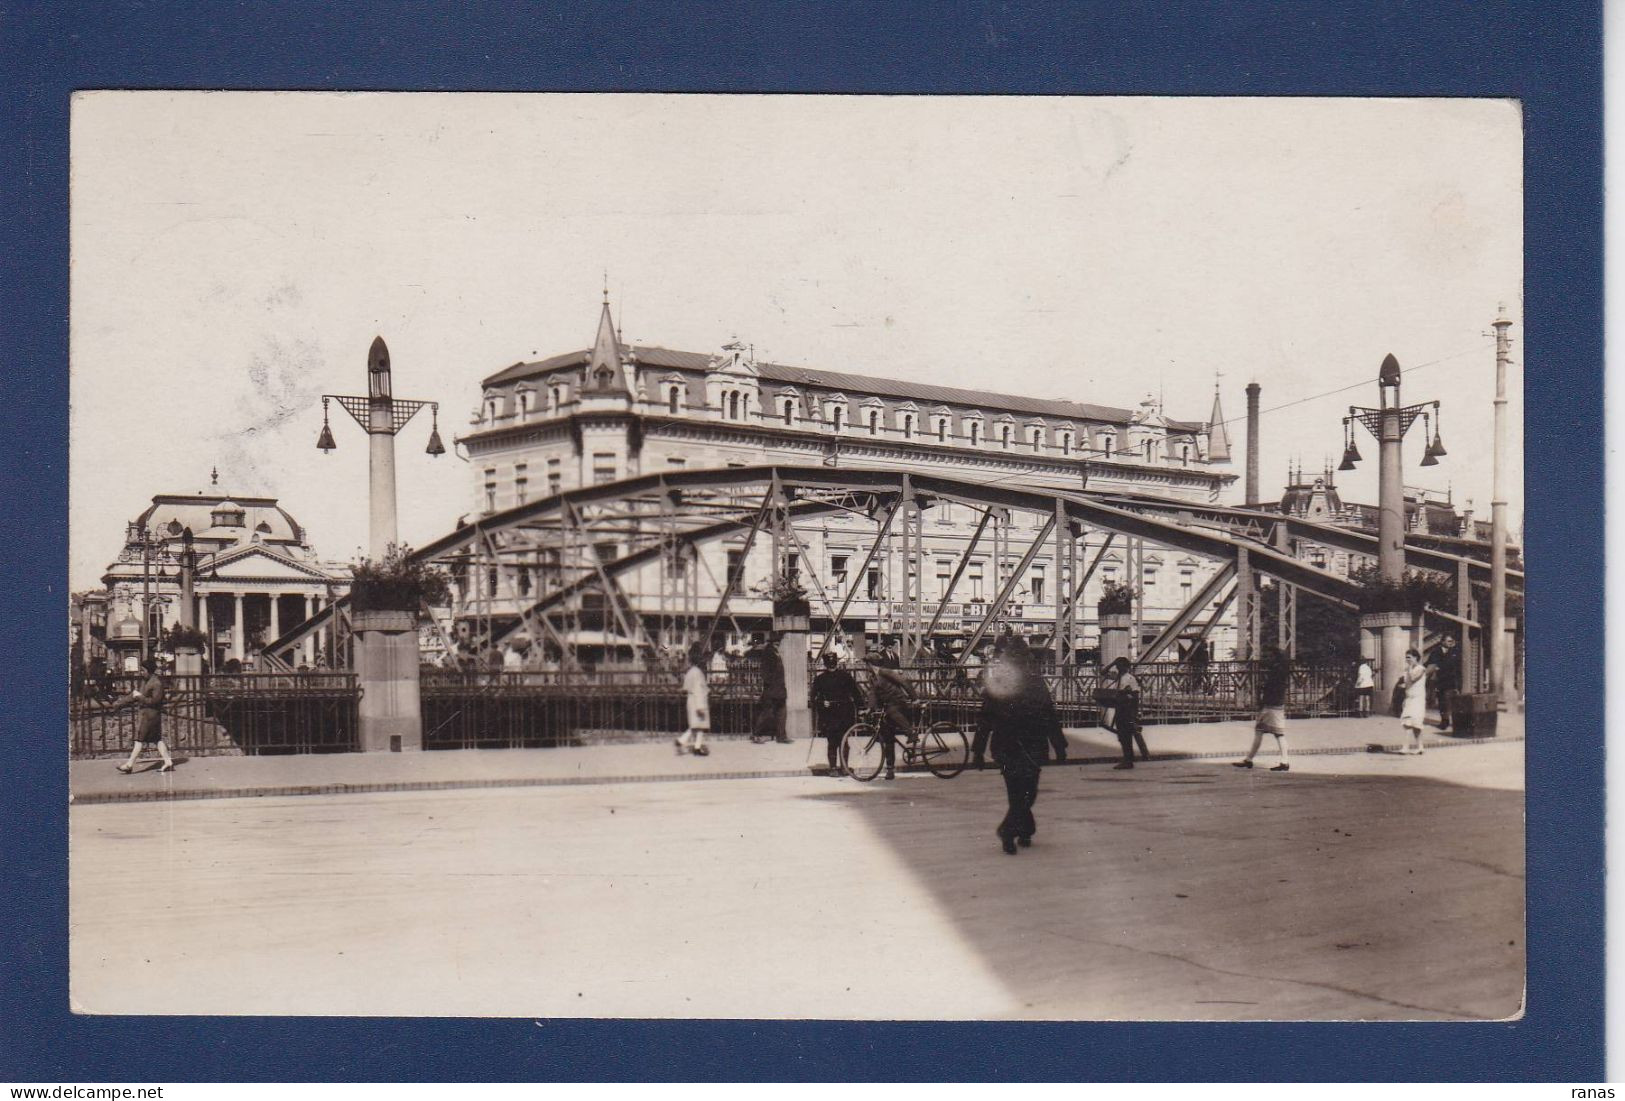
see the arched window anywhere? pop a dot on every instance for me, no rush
(1147, 450)
(1004, 436)
(1066, 443)
(836, 416)
(908, 426)
(874, 422)
(1108, 445)
(491, 409)
(603, 376)
(789, 410)
(1185, 454)
(975, 433)
(733, 405)
(524, 403)
(671, 400)
(555, 396)
(1037, 439)
(942, 429)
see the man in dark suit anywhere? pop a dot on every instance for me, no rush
(770, 705)
(1020, 725)
(836, 698)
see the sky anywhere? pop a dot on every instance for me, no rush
(234, 254)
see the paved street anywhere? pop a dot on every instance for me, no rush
(1356, 886)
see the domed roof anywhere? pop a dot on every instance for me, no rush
(170, 515)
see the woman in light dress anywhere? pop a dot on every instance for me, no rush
(1414, 714)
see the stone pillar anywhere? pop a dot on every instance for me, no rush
(791, 620)
(276, 617)
(237, 650)
(386, 666)
(309, 645)
(1114, 640)
(1390, 634)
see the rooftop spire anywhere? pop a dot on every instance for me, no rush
(606, 354)
(1218, 436)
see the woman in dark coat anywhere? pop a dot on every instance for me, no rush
(1020, 725)
(149, 702)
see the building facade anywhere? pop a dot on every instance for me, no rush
(256, 575)
(613, 411)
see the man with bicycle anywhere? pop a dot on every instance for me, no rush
(891, 694)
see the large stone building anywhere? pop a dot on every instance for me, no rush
(257, 575)
(613, 411)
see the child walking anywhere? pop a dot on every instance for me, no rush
(699, 705)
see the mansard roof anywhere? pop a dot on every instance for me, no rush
(655, 356)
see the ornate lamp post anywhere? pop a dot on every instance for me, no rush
(385, 644)
(1388, 423)
(382, 415)
(141, 543)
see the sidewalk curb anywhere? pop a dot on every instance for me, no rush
(288, 790)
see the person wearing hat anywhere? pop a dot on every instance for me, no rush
(770, 705)
(836, 698)
(890, 693)
(149, 702)
(1021, 727)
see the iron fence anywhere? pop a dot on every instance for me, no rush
(223, 714)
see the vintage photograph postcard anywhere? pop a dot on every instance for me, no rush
(796, 557)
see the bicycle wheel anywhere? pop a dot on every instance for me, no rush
(944, 750)
(861, 752)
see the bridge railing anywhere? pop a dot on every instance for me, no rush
(222, 714)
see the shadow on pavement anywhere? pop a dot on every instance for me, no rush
(1194, 891)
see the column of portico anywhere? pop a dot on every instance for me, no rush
(276, 629)
(237, 650)
(309, 650)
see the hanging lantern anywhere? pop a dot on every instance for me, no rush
(435, 446)
(1351, 454)
(1437, 446)
(325, 441)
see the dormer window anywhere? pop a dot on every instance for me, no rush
(1004, 436)
(942, 429)
(789, 410)
(1066, 443)
(525, 397)
(1147, 446)
(874, 422)
(1035, 436)
(908, 426)
(1108, 445)
(836, 416)
(733, 405)
(1185, 454)
(491, 406)
(603, 377)
(975, 433)
(555, 396)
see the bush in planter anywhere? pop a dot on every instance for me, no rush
(786, 591)
(1116, 598)
(179, 638)
(397, 584)
(1410, 594)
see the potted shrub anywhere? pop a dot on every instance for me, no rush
(1116, 602)
(791, 609)
(389, 595)
(180, 639)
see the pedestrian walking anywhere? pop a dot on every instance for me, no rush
(1019, 725)
(697, 690)
(893, 696)
(1277, 673)
(836, 698)
(1122, 689)
(149, 703)
(1446, 678)
(1365, 683)
(770, 705)
(1414, 680)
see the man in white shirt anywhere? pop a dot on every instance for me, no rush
(1364, 684)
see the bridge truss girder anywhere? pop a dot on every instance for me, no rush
(574, 569)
